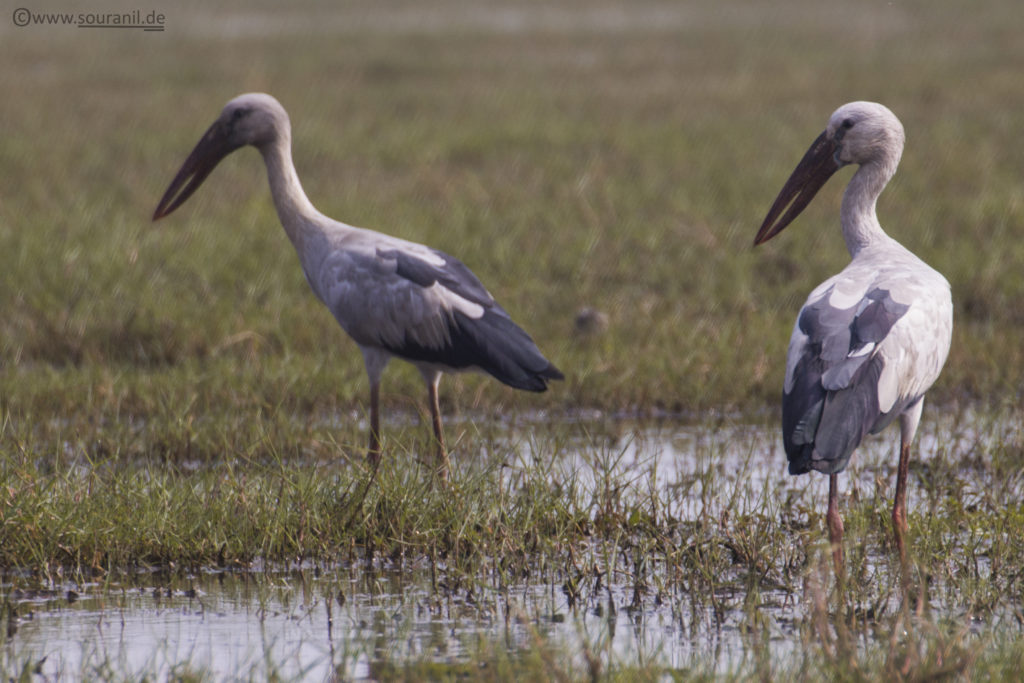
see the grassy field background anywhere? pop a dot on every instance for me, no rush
(172, 394)
(605, 155)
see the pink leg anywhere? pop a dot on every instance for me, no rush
(899, 506)
(374, 450)
(835, 524)
(435, 417)
(375, 360)
(908, 427)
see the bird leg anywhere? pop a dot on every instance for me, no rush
(899, 506)
(374, 450)
(435, 417)
(375, 361)
(835, 524)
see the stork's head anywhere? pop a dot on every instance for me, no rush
(864, 132)
(857, 133)
(252, 119)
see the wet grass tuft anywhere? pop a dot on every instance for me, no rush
(605, 515)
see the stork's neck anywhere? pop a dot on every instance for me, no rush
(857, 215)
(297, 213)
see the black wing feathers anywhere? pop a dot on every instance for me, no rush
(833, 402)
(492, 342)
(453, 275)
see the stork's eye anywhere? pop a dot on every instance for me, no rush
(237, 114)
(847, 124)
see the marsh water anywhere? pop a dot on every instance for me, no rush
(318, 622)
(298, 625)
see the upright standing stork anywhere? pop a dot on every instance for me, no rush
(870, 341)
(393, 297)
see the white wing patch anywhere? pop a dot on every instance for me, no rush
(453, 302)
(888, 388)
(862, 351)
(797, 343)
(846, 294)
(419, 251)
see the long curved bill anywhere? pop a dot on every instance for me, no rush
(208, 152)
(813, 171)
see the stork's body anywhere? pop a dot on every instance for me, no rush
(392, 296)
(870, 341)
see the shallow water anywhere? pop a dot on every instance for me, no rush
(296, 625)
(314, 622)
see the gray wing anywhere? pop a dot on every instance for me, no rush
(831, 398)
(448, 271)
(425, 306)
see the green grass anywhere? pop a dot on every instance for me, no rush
(173, 394)
(701, 550)
(565, 167)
